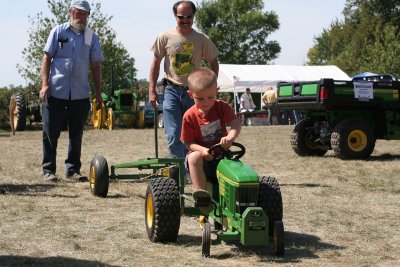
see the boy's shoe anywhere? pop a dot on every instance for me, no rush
(49, 177)
(202, 200)
(77, 177)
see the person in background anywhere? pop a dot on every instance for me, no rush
(70, 51)
(182, 49)
(270, 100)
(246, 106)
(204, 125)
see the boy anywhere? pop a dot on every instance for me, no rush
(203, 126)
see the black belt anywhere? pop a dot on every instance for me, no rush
(168, 82)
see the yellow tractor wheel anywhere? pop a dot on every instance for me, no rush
(110, 119)
(98, 116)
(140, 121)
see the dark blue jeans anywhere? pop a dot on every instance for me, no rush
(53, 115)
(176, 102)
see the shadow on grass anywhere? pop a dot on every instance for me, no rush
(304, 185)
(48, 261)
(384, 157)
(297, 247)
(31, 190)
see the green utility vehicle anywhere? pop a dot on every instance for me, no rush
(345, 116)
(246, 207)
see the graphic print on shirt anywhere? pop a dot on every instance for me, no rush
(211, 132)
(182, 59)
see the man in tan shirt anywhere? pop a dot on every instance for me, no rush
(270, 99)
(182, 49)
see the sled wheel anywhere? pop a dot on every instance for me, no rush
(206, 240)
(302, 141)
(98, 115)
(270, 199)
(110, 119)
(162, 210)
(353, 139)
(140, 120)
(160, 120)
(279, 238)
(99, 176)
(17, 112)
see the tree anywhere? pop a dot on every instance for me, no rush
(118, 68)
(367, 39)
(240, 29)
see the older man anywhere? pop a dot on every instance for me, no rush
(70, 51)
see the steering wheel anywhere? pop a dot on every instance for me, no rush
(235, 154)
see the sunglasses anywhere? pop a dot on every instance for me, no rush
(185, 17)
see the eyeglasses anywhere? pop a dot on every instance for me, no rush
(185, 17)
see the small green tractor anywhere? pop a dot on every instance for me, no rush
(246, 207)
(344, 116)
(120, 109)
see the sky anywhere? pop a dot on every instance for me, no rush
(138, 22)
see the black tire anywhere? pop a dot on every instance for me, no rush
(302, 141)
(206, 240)
(19, 112)
(162, 210)
(160, 121)
(99, 176)
(270, 199)
(353, 139)
(279, 238)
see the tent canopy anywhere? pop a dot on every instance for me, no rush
(259, 77)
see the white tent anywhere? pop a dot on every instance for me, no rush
(236, 78)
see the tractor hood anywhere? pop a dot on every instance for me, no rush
(236, 173)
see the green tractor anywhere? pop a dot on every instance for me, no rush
(24, 107)
(246, 207)
(121, 108)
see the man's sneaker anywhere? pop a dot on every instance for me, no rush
(49, 177)
(77, 177)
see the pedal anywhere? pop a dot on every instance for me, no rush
(202, 202)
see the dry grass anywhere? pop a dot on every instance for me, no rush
(336, 213)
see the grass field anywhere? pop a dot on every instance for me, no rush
(336, 213)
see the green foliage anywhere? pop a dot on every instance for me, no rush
(239, 28)
(118, 68)
(367, 40)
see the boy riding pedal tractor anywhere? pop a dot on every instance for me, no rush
(203, 126)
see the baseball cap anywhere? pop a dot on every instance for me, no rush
(81, 4)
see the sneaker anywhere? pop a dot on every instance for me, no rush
(77, 177)
(202, 200)
(49, 177)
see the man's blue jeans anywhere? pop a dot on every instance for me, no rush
(176, 102)
(53, 115)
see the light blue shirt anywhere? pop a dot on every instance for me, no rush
(70, 64)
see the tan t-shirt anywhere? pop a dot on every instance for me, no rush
(270, 96)
(183, 53)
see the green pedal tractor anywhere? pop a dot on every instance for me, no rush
(246, 207)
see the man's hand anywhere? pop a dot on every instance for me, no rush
(43, 93)
(99, 102)
(153, 98)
